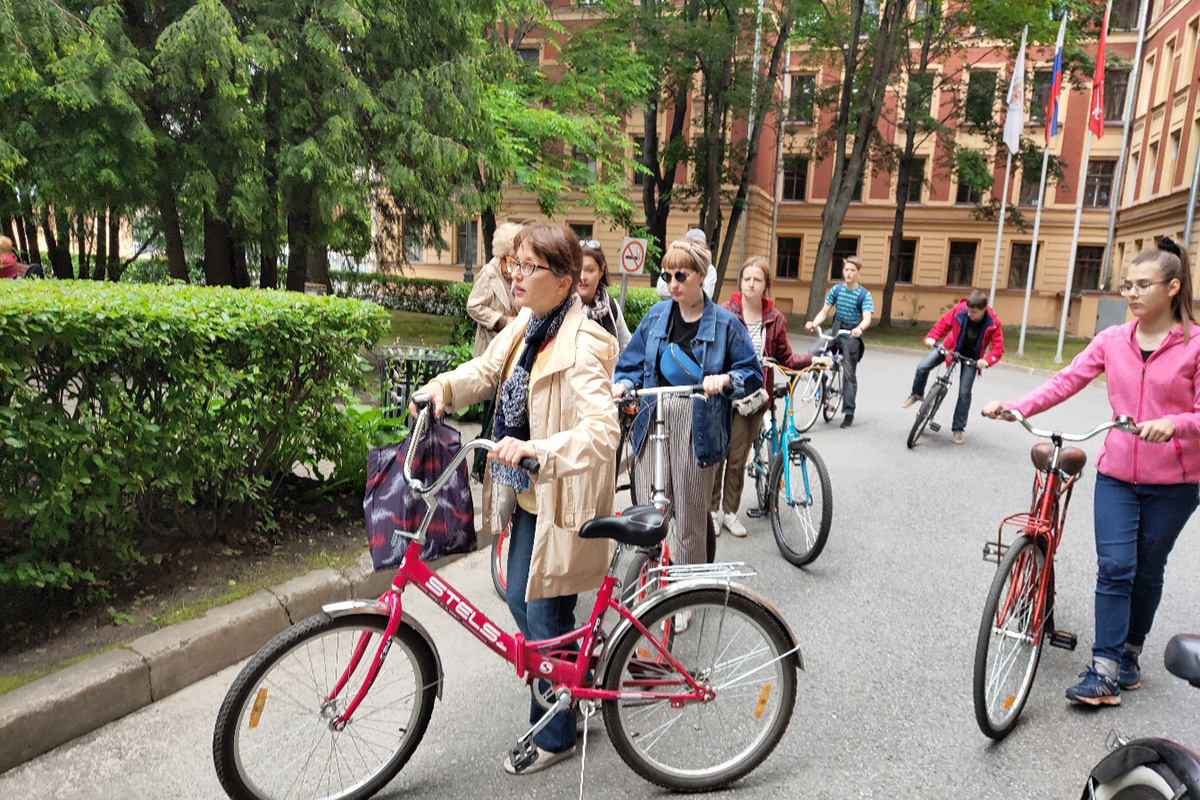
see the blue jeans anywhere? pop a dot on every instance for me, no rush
(1136, 527)
(543, 618)
(966, 382)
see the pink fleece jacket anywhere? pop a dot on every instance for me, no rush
(1166, 385)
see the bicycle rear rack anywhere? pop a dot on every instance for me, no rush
(721, 571)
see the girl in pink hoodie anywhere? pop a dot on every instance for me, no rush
(1146, 486)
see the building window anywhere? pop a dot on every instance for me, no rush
(907, 261)
(1132, 177)
(1018, 264)
(1039, 102)
(1152, 171)
(795, 178)
(787, 260)
(1088, 259)
(965, 194)
(981, 97)
(802, 102)
(468, 243)
(916, 180)
(919, 100)
(639, 146)
(414, 250)
(845, 246)
(1097, 189)
(1124, 15)
(530, 57)
(582, 229)
(960, 269)
(588, 162)
(1031, 177)
(856, 193)
(1116, 87)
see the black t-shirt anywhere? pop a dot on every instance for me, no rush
(680, 333)
(969, 346)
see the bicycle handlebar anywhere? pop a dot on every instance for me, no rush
(422, 402)
(957, 356)
(1122, 423)
(655, 391)
(829, 337)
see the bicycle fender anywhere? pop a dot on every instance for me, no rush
(1179, 759)
(346, 608)
(662, 595)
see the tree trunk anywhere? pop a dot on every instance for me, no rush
(28, 229)
(81, 241)
(268, 250)
(168, 212)
(847, 171)
(114, 245)
(218, 266)
(58, 244)
(299, 222)
(487, 220)
(100, 269)
(237, 257)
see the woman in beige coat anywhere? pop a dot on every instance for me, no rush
(490, 303)
(555, 404)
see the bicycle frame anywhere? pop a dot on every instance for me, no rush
(779, 433)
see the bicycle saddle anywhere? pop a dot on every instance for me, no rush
(641, 526)
(1182, 657)
(780, 390)
(1070, 460)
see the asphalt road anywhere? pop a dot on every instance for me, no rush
(887, 618)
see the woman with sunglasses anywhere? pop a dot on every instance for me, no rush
(600, 306)
(554, 370)
(688, 340)
(1146, 485)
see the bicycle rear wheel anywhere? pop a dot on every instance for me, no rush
(1155, 781)
(1009, 645)
(806, 403)
(274, 735)
(499, 560)
(802, 507)
(831, 394)
(731, 644)
(760, 470)
(929, 407)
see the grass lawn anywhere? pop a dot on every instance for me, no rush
(1040, 346)
(413, 328)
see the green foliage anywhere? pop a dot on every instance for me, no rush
(637, 302)
(129, 407)
(367, 427)
(447, 298)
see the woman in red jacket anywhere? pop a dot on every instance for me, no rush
(972, 329)
(768, 334)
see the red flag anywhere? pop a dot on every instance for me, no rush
(1096, 108)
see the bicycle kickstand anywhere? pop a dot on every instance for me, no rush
(525, 752)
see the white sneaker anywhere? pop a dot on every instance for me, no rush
(716, 520)
(682, 620)
(734, 526)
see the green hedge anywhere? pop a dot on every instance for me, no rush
(131, 408)
(449, 298)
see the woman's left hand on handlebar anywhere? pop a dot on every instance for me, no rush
(436, 400)
(822, 361)
(1156, 431)
(715, 384)
(510, 451)
(994, 409)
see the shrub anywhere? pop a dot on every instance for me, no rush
(127, 407)
(637, 302)
(423, 295)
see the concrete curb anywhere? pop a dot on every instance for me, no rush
(49, 712)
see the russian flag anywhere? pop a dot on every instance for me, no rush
(1055, 84)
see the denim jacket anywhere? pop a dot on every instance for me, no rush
(722, 346)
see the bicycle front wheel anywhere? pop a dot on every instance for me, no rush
(760, 470)
(499, 560)
(802, 508)
(807, 400)
(1010, 639)
(274, 736)
(831, 394)
(929, 407)
(726, 642)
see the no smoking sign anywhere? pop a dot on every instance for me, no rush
(633, 256)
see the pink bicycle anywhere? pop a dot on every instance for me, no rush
(334, 706)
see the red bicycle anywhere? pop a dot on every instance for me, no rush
(1019, 612)
(334, 706)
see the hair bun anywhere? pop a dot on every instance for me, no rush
(1167, 245)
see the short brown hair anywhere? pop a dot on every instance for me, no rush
(977, 299)
(855, 260)
(6, 244)
(597, 253)
(760, 262)
(686, 254)
(557, 244)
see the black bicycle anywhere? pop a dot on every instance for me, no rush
(935, 396)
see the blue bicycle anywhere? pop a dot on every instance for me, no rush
(790, 478)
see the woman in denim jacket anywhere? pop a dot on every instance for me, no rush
(674, 338)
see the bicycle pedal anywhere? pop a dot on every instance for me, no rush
(933, 426)
(524, 754)
(755, 513)
(1063, 639)
(993, 551)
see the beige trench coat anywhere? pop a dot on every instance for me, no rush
(573, 427)
(488, 304)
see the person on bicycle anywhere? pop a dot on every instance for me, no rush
(768, 334)
(973, 330)
(555, 368)
(1146, 486)
(688, 340)
(852, 309)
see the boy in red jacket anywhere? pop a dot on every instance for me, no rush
(972, 329)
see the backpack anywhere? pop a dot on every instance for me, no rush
(862, 296)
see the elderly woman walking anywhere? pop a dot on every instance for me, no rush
(490, 303)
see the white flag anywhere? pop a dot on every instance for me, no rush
(1014, 122)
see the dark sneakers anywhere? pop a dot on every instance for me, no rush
(848, 420)
(1095, 689)
(1130, 676)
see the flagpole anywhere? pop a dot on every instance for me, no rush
(1037, 224)
(1062, 325)
(1000, 230)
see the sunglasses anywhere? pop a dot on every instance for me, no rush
(590, 243)
(679, 276)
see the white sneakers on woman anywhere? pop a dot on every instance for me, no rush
(734, 525)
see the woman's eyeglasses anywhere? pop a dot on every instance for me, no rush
(1140, 286)
(590, 243)
(679, 276)
(526, 268)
